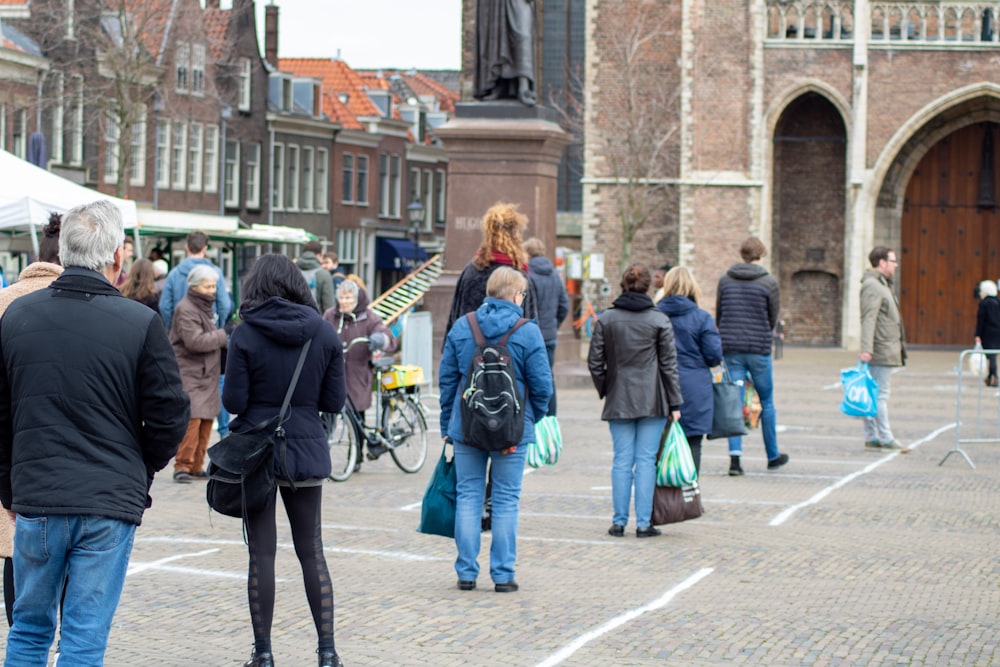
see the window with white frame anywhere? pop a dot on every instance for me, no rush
(246, 69)
(278, 177)
(439, 196)
(178, 162)
(414, 185)
(395, 167)
(20, 137)
(322, 185)
(292, 191)
(383, 184)
(58, 119)
(347, 179)
(362, 194)
(198, 69)
(428, 197)
(137, 162)
(110, 149)
(308, 182)
(211, 158)
(75, 132)
(182, 58)
(231, 176)
(162, 158)
(347, 246)
(253, 176)
(195, 156)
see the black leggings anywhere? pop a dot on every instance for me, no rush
(694, 442)
(303, 509)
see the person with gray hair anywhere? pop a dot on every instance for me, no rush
(91, 407)
(988, 326)
(197, 342)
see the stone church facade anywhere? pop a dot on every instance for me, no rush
(824, 128)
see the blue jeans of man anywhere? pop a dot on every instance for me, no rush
(470, 469)
(877, 429)
(86, 554)
(635, 444)
(758, 367)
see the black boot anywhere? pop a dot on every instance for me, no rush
(734, 466)
(329, 659)
(262, 659)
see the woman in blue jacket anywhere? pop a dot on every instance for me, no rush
(279, 316)
(500, 311)
(699, 347)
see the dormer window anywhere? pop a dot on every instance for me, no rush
(383, 100)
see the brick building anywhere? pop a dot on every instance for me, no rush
(824, 129)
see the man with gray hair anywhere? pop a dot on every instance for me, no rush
(91, 406)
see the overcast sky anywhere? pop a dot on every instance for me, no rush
(425, 34)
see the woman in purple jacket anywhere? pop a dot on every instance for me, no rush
(279, 316)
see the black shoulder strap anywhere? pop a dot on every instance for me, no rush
(477, 333)
(295, 381)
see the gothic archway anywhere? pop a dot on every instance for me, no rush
(808, 217)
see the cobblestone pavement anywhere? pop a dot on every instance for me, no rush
(842, 557)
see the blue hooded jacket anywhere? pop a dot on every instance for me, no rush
(531, 364)
(699, 347)
(263, 352)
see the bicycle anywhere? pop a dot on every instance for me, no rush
(587, 319)
(401, 429)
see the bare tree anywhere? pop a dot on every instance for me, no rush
(636, 118)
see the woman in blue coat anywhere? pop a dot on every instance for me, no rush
(279, 316)
(699, 347)
(500, 311)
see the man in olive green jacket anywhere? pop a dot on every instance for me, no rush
(882, 340)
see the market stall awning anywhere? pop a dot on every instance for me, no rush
(398, 255)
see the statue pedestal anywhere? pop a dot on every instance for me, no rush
(497, 151)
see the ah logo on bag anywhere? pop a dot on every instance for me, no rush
(492, 408)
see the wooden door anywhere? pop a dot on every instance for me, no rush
(949, 243)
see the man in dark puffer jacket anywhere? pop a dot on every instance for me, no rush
(746, 310)
(91, 406)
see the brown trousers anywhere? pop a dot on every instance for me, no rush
(190, 456)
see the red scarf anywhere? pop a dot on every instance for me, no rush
(498, 257)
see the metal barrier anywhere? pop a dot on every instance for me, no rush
(983, 392)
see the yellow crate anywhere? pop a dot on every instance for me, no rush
(402, 376)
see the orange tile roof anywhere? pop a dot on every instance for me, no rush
(338, 112)
(152, 17)
(216, 29)
(14, 3)
(424, 85)
(337, 77)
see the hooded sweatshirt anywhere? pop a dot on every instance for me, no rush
(746, 309)
(553, 304)
(263, 352)
(319, 279)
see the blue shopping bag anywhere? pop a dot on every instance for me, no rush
(860, 392)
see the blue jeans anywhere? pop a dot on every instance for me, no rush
(550, 349)
(635, 444)
(223, 419)
(758, 366)
(89, 556)
(470, 469)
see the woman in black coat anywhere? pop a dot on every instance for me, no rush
(279, 316)
(988, 326)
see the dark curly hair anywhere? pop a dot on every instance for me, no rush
(48, 247)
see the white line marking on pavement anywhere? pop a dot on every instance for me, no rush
(578, 643)
(412, 506)
(345, 526)
(786, 514)
(569, 540)
(210, 573)
(135, 568)
(395, 555)
(831, 386)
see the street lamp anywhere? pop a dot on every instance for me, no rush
(415, 212)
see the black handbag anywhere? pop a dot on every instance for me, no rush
(241, 466)
(727, 408)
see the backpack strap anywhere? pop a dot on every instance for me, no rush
(477, 333)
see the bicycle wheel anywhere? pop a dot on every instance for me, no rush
(406, 429)
(342, 440)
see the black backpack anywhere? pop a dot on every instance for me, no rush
(492, 407)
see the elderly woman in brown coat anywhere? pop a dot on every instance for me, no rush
(197, 342)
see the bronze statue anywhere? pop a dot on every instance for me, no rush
(505, 51)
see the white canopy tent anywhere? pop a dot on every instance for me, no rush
(29, 194)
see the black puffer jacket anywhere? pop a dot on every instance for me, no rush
(263, 352)
(633, 361)
(746, 309)
(91, 402)
(553, 304)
